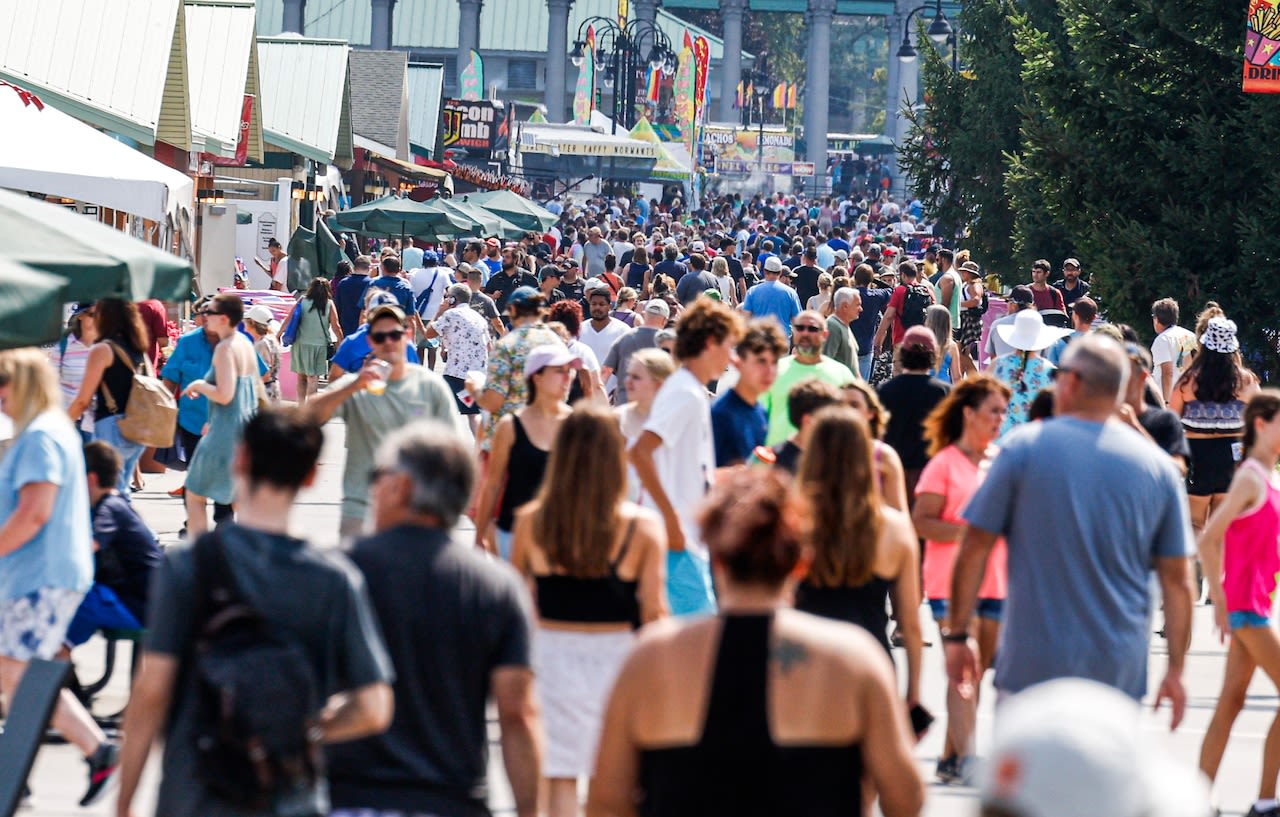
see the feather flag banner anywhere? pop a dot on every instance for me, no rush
(585, 93)
(793, 96)
(780, 96)
(653, 84)
(471, 79)
(684, 107)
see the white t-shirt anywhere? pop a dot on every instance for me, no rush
(411, 257)
(466, 336)
(681, 416)
(1174, 345)
(420, 279)
(601, 342)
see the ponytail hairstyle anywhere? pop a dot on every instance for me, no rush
(1262, 406)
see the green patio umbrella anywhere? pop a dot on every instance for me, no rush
(486, 224)
(514, 208)
(30, 306)
(95, 260)
(393, 215)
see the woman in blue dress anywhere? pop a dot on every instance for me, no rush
(232, 386)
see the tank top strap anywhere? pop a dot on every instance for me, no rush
(626, 543)
(521, 437)
(737, 717)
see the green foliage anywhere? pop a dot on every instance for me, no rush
(1116, 131)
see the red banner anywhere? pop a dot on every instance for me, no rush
(242, 141)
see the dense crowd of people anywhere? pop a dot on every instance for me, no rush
(716, 461)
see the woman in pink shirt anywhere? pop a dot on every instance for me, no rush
(1238, 550)
(960, 432)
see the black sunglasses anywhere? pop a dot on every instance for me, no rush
(1061, 370)
(383, 337)
(378, 473)
(211, 312)
(803, 328)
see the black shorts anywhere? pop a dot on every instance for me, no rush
(1213, 464)
(455, 385)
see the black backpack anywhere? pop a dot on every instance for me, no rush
(257, 739)
(919, 297)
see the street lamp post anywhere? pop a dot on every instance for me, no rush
(621, 52)
(940, 31)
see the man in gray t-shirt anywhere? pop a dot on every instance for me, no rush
(645, 336)
(1088, 507)
(594, 249)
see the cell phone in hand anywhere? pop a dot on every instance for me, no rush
(921, 720)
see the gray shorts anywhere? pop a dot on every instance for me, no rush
(34, 625)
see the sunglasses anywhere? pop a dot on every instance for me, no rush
(378, 473)
(1060, 371)
(210, 312)
(803, 328)
(382, 337)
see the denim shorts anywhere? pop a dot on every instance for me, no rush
(100, 609)
(34, 625)
(1246, 619)
(989, 609)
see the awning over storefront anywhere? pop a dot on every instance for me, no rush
(306, 97)
(426, 89)
(564, 151)
(43, 150)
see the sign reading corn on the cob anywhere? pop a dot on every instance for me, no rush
(1262, 48)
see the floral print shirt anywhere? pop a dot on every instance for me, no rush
(1025, 383)
(505, 373)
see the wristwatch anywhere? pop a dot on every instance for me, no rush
(949, 637)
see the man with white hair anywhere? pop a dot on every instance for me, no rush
(840, 345)
(1080, 551)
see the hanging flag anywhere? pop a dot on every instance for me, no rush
(471, 79)
(793, 96)
(737, 99)
(780, 96)
(701, 64)
(652, 84)
(584, 94)
(683, 93)
(624, 7)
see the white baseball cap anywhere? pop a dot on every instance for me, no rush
(1077, 748)
(541, 357)
(773, 264)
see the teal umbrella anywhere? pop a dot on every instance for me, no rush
(393, 215)
(484, 223)
(95, 260)
(30, 306)
(515, 208)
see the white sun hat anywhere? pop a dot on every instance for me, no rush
(1028, 333)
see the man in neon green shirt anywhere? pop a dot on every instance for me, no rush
(808, 332)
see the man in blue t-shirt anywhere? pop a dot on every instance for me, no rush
(773, 298)
(354, 349)
(875, 300)
(1080, 551)
(349, 297)
(738, 422)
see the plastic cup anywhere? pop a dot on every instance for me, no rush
(379, 384)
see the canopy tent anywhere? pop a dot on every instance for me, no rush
(44, 150)
(96, 261)
(30, 306)
(876, 146)
(515, 208)
(392, 215)
(668, 167)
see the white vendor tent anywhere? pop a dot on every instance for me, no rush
(44, 150)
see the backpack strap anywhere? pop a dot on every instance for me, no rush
(216, 586)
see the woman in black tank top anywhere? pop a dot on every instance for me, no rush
(594, 563)
(864, 550)
(717, 718)
(108, 378)
(522, 444)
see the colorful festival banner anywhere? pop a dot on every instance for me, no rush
(624, 8)
(1262, 48)
(584, 95)
(793, 96)
(653, 84)
(684, 108)
(701, 66)
(471, 79)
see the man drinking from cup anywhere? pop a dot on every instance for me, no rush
(385, 395)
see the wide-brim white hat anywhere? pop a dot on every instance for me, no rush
(1028, 333)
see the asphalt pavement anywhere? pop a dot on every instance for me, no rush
(59, 778)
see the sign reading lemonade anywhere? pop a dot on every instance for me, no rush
(1262, 48)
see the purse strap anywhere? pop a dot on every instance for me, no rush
(123, 358)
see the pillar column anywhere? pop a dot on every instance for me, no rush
(732, 13)
(380, 24)
(892, 99)
(294, 14)
(646, 10)
(468, 32)
(818, 81)
(906, 94)
(553, 96)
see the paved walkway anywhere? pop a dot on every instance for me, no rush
(59, 777)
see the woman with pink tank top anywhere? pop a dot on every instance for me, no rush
(1240, 551)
